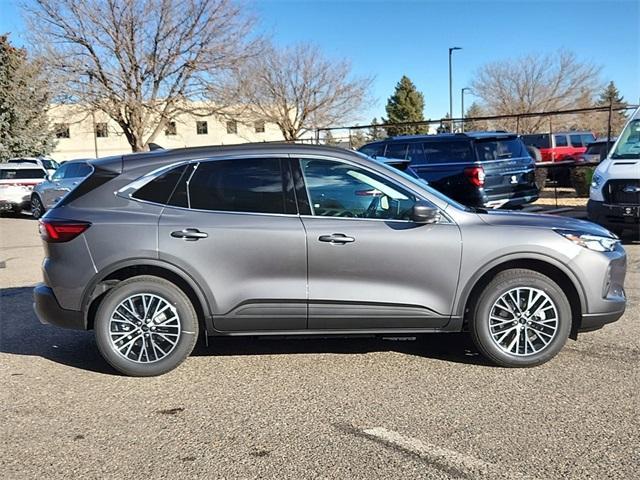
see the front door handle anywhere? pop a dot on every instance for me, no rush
(189, 234)
(336, 238)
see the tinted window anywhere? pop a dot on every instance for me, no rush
(587, 138)
(60, 173)
(77, 170)
(576, 140)
(373, 149)
(23, 160)
(536, 140)
(238, 186)
(338, 189)
(448, 152)
(561, 140)
(416, 154)
(50, 164)
(20, 174)
(159, 189)
(500, 149)
(396, 150)
(595, 148)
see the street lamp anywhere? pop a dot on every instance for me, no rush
(465, 89)
(451, 49)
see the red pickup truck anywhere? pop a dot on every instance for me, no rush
(560, 146)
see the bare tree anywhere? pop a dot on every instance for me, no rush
(535, 83)
(298, 89)
(140, 61)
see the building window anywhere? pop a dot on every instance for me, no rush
(61, 130)
(259, 126)
(171, 129)
(232, 126)
(202, 128)
(101, 130)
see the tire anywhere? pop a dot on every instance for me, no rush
(37, 208)
(118, 330)
(491, 320)
(534, 152)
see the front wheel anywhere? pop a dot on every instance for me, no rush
(145, 326)
(521, 319)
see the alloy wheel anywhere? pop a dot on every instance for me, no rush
(144, 328)
(523, 321)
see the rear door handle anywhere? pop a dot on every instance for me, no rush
(336, 238)
(189, 234)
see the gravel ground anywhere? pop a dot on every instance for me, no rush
(354, 408)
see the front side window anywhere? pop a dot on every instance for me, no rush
(629, 144)
(251, 185)
(338, 189)
(50, 164)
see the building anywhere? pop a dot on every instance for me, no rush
(85, 135)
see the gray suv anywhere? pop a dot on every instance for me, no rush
(57, 185)
(152, 249)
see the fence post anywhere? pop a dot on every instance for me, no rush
(518, 124)
(609, 124)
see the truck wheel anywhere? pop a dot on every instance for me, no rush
(145, 326)
(522, 319)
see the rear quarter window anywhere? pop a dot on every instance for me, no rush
(159, 189)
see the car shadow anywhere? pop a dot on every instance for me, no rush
(22, 334)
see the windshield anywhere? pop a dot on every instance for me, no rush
(629, 144)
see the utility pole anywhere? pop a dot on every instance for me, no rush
(451, 50)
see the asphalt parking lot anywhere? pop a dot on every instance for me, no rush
(352, 408)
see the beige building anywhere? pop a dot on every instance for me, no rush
(83, 135)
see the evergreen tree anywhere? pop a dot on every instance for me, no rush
(611, 96)
(473, 111)
(24, 98)
(375, 132)
(405, 105)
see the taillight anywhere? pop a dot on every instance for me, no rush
(59, 231)
(475, 175)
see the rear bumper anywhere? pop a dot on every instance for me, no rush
(595, 321)
(504, 201)
(49, 311)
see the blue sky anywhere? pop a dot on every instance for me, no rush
(387, 39)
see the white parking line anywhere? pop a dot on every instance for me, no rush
(450, 461)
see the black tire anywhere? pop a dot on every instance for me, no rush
(534, 152)
(502, 283)
(187, 318)
(37, 208)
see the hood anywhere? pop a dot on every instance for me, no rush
(533, 220)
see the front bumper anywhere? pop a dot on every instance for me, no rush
(49, 311)
(614, 217)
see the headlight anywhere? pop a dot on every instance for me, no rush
(596, 180)
(596, 243)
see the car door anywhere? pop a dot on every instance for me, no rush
(370, 267)
(233, 226)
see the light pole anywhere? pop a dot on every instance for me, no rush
(451, 49)
(462, 105)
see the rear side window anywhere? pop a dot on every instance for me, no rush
(416, 154)
(77, 170)
(561, 140)
(500, 149)
(160, 189)
(396, 150)
(540, 140)
(576, 140)
(21, 174)
(448, 152)
(252, 185)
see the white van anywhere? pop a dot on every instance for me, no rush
(614, 198)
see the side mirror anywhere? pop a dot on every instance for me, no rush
(424, 213)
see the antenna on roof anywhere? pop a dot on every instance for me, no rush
(154, 146)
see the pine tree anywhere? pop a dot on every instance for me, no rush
(474, 111)
(375, 132)
(405, 105)
(24, 98)
(611, 96)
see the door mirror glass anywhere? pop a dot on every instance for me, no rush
(424, 213)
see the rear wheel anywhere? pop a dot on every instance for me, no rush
(145, 326)
(522, 319)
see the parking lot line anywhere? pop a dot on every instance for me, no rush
(450, 461)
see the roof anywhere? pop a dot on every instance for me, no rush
(451, 136)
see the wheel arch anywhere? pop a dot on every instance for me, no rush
(108, 278)
(556, 271)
